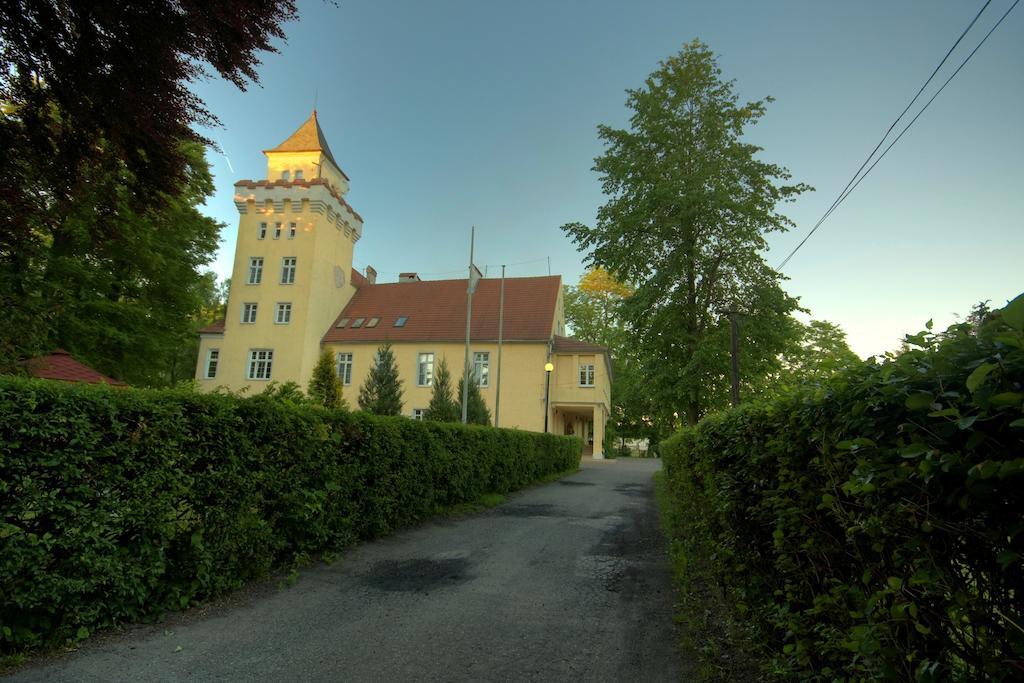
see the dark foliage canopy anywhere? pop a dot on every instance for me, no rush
(120, 71)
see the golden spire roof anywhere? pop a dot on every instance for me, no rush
(308, 138)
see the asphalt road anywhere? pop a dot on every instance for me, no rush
(563, 582)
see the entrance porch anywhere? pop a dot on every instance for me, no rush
(586, 421)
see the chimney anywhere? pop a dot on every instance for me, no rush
(371, 275)
(408, 277)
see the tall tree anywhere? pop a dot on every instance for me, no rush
(592, 308)
(325, 386)
(123, 288)
(83, 62)
(381, 393)
(443, 407)
(477, 412)
(689, 206)
(96, 117)
(822, 351)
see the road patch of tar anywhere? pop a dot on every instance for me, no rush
(419, 575)
(570, 482)
(529, 510)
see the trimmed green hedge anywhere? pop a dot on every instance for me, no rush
(116, 505)
(870, 529)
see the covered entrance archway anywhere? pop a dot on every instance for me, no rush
(587, 421)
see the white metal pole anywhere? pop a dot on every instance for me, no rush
(501, 330)
(469, 315)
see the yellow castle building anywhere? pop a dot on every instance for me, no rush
(294, 293)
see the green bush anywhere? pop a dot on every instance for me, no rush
(871, 528)
(116, 505)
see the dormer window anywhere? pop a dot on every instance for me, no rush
(372, 322)
(286, 175)
(342, 323)
(298, 175)
(401, 321)
(358, 322)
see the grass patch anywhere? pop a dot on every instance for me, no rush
(707, 634)
(484, 502)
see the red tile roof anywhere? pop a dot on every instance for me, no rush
(216, 327)
(573, 345)
(308, 138)
(61, 366)
(436, 311)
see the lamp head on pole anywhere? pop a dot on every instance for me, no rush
(548, 367)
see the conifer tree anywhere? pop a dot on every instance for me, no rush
(476, 412)
(443, 407)
(381, 393)
(324, 385)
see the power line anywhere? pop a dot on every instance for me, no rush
(932, 99)
(858, 177)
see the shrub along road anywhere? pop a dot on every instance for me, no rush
(566, 581)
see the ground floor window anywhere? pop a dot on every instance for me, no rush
(425, 370)
(344, 363)
(418, 413)
(260, 363)
(212, 358)
(482, 368)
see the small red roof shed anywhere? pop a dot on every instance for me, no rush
(61, 366)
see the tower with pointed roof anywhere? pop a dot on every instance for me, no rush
(292, 268)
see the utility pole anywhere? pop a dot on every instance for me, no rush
(735, 352)
(501, 330)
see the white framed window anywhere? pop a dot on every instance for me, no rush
(262, 232)
(255, 270)
(212, 358)
(343, 362)
(298, 174)
(586, 374)
(288, 270)
(292, 229)
(249, 313)
(425, 370)
(418, 413)
(261, 363)
(482, 367)
(286, 175)
(277, 230)
(283, 314)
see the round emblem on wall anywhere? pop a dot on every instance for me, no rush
(339, 276)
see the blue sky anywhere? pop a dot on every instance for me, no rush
(458, 113)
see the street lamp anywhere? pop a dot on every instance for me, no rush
(548, 367)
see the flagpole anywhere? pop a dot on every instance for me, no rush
(469, 315)
(501, 326)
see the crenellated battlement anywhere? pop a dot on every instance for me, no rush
(271, 197)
